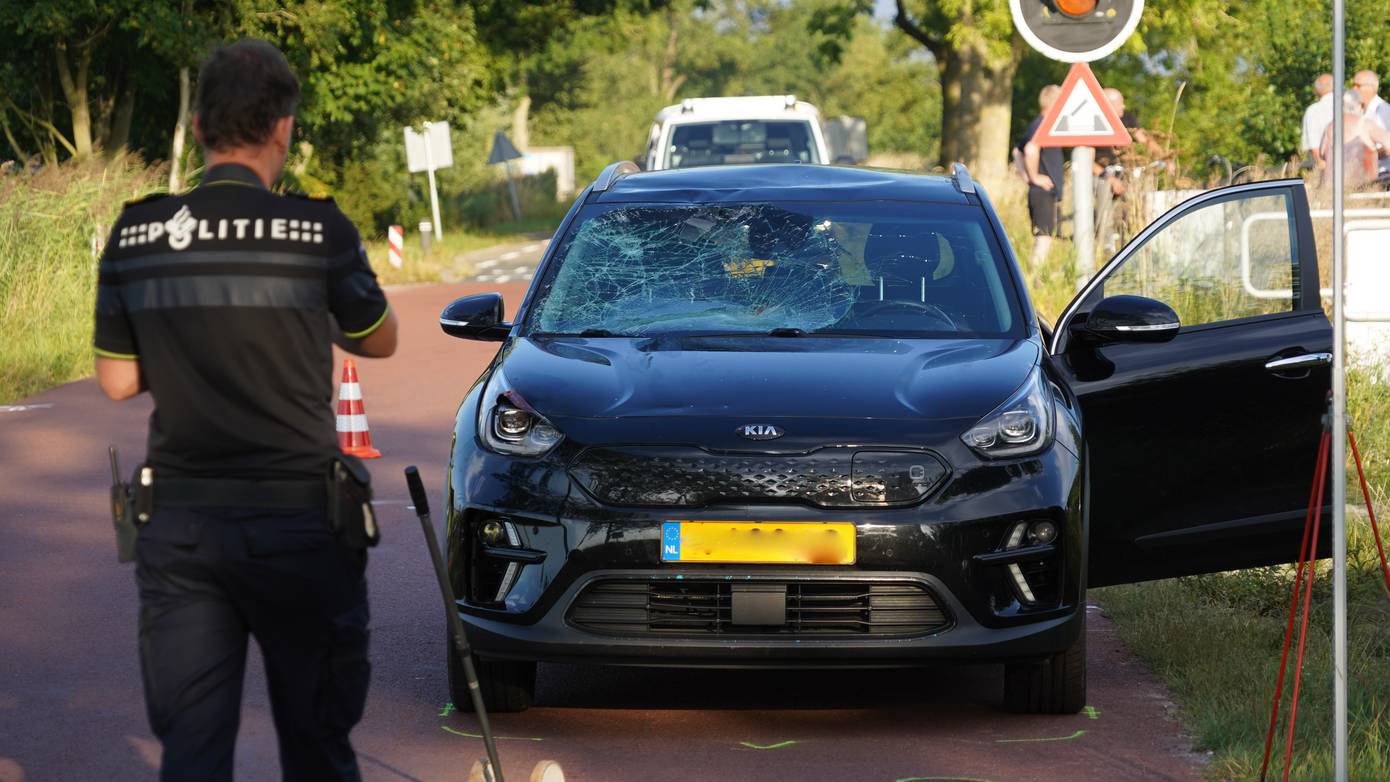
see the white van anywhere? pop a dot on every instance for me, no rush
(753, 129)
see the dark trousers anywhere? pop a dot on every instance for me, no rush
(208, 578)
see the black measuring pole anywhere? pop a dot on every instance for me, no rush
(451, 611)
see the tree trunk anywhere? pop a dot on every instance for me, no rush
(180, 131)
(670, 82)
(74, 84)
(9, 136)
(976, 97)
(521, 128)
(120, 124)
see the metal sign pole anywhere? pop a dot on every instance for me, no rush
(1083, 187)
(1339, 403)
(434, 192)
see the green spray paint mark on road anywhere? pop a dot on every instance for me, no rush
(778, 745)
(1073, 736)
(943, 779)
(448, 729)
(448, 707)
(1093, 712)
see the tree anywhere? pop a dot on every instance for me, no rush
(976, 53)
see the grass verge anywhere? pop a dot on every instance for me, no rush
(47, 269)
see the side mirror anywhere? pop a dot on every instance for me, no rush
(475, 317)
(1129, 319)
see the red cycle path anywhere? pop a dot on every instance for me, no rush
(70, 699)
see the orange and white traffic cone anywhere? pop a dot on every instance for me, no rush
(353, 437)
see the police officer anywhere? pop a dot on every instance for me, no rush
(222, 302)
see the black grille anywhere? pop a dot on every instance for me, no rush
(689, 477)
(702, 608)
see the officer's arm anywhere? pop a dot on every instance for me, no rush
(120, 378)
(380, 343)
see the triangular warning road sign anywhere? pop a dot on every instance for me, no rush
(1081, 116)
(502, 149)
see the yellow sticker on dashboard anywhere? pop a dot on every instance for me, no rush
(753, 267)
(759, 542)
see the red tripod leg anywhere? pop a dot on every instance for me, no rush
(1304, 555)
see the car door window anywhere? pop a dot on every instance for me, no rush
(1227, 259)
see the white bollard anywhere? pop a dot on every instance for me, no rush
(395, 241)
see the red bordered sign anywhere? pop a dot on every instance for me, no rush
(1081, 116)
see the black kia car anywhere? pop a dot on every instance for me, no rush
(806, 416)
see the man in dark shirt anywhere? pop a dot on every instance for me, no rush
(223, 302)
(1042, 168)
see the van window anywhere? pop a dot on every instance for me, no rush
(741, 141)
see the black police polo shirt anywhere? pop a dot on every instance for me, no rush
(224, 295)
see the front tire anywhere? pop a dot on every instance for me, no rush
(1054, 686)
(507, 686)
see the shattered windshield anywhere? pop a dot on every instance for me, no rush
(887, 268)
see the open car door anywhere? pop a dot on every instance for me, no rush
(1201, 432)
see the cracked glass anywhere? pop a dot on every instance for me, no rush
(886, 268)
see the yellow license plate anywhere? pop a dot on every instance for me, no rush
(758, 542)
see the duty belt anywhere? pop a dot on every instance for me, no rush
(240, 493)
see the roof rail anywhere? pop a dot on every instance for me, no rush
(613, 173)
(961, 176)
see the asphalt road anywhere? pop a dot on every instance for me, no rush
(70, 699)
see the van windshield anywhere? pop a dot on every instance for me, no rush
(872, 269)
(741, 141)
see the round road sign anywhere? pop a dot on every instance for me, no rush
(1076, 30)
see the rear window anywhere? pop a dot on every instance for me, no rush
(740, 141)
(880, 268)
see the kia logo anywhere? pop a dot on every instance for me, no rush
(760, 431)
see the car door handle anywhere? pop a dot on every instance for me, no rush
(1292, 363)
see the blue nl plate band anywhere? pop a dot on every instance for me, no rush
(670, 541)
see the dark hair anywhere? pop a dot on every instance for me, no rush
(243, 89)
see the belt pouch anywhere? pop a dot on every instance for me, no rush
(350, 511)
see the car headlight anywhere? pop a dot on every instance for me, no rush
(1022, 426)
(508, 424)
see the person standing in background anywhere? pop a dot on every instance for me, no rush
(1362, 138)
(1373, 108)
(1317, 117)
(1043, 170)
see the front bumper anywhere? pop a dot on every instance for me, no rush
(575, 541)
(553, 639)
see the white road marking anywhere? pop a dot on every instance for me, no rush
(490, 262)
(507, 256)
(24, 408)
(527, 276)
(504, 278)
(521, 270)
(537, 247)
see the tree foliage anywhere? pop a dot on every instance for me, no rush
(938, 78)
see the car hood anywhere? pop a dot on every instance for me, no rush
(766, 379)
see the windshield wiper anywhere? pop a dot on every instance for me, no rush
(584, 333)
(787, 331)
